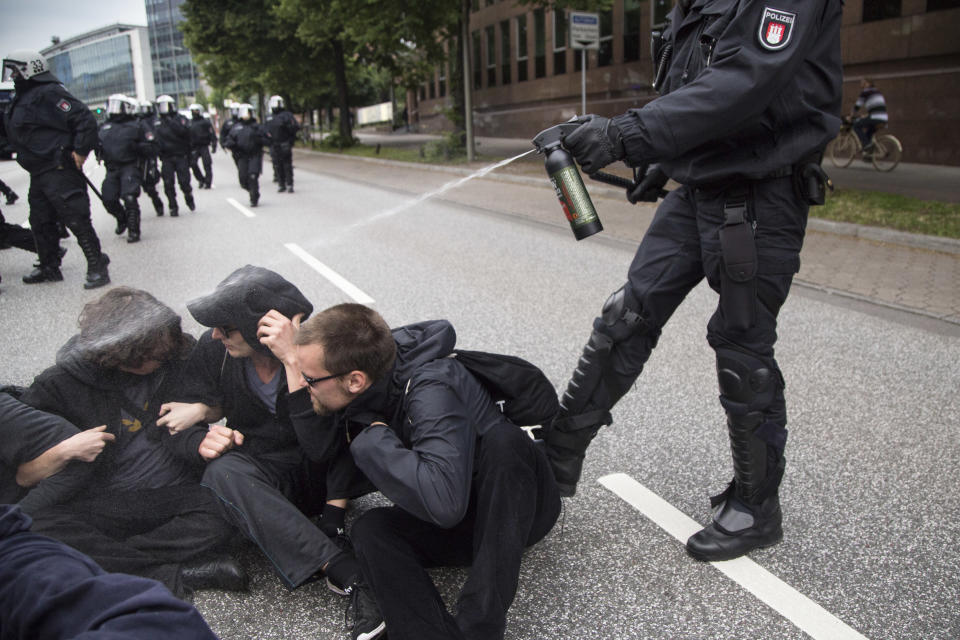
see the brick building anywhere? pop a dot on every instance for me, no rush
(527, 77)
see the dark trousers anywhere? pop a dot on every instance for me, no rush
(258, 495)
(198, 155)
(120, 190)
(60, 196)
(147, 533)
(249, 167)
(175, 169)
(514, 504)
(13, 235)
(865, 128)
(282, 155)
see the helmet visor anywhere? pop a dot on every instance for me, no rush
(9, 67)
(116, 106)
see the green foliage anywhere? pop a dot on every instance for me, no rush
(595, 6)
(891, 211)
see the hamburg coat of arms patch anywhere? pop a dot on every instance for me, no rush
(776, 27)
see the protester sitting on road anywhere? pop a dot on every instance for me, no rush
(48, 590)
(468, 486)
(138, 507)
(245, 370)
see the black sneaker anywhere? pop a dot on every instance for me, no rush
(367, 620)
(43, 274)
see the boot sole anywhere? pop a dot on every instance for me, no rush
(731, 556)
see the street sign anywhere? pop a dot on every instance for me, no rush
(584, 30)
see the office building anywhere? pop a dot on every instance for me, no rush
(174, 72)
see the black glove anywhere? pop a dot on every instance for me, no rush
(595, 143)
(650, 187)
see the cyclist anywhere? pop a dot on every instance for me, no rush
(872, 101)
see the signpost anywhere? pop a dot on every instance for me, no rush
(584, 34)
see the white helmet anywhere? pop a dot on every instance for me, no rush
(276, 103)
(118, 104)
(196, 107)
(26, 62)
(245, 111)
(235, 109)
(166, 105)
(146, 108)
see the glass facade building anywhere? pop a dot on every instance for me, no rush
(174, 72)
(102, 62)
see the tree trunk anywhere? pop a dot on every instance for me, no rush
(340, 72)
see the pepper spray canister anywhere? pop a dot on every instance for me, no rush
(573, 196)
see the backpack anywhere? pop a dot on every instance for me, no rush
(521, 390)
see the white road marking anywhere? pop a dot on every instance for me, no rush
(806, 614)
(241, 208)
(335, 278)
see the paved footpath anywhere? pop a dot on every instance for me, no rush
(917, 274)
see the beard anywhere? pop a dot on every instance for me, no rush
(319, 408)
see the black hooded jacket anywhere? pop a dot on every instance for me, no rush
(424, 460)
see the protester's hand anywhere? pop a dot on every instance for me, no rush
(87, 445)
(78, 159)
(595, 143)
(177, 416)
(651, 186)
(218, 441)
(277, 332)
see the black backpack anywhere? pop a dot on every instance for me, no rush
(521, 390)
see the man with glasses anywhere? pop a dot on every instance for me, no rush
(245, 370)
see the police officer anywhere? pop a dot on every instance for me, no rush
(201, 137)
(245, 141)
(149, 172)
(52, 133)
(282, 129)
(227, 125)
(124, 140)
(750, 97)
(173, 136)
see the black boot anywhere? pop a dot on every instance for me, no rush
(737, 528)
(157, 205)
(97, 274)
(190, 203)
(133, 225)
(219, 573)
(43, 274)
(567, 440)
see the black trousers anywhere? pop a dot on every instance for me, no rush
(56, 196)
(121, 188)
(147, 533)
(514, 504)
(198, 155)
(282, 155)
(249, 167)
(258, 495)
(175, 168)
(13, 235)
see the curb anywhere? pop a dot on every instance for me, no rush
(876, 234)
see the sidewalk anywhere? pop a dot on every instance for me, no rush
(918, 274)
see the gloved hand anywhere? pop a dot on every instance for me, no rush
(595, 143)
(650, 187)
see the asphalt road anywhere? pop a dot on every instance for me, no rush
(870, 499)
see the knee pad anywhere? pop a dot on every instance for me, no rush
(747, 383)
(621, 317)
(130, 203)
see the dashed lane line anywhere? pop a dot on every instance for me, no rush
(241, 208)
(335, 278)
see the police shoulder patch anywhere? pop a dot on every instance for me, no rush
(64, 105)
(776, 27)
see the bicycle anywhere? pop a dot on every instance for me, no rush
(885, 154)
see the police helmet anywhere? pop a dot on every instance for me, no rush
(145, 108)
(235, 109)
(119, 105)
(166, 105)
(245, 111)
(25, 62)
(196, 108)
(276, 104)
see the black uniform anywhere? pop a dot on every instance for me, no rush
(45, 124)
(202, 136)
(149, 171)
(245, 141)
(124, 140)
(173, 136)
(750, 98)
(225, 132)
(282, 129)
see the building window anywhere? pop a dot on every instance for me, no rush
(560, 33)
(477, 69)
(521, 48)
(940, 5)
(505, 52)
(631, 30)
(491, 56)
(605, 54)
(539, 44)
(880, 9)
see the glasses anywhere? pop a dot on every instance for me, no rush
(312, 381)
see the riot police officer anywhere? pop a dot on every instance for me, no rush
(202, 136)
(282, 129)
(227, 125)
(245, 141)
(124, 140)
(53, 133)
(149, 172)
(173, 137)
(750, 97)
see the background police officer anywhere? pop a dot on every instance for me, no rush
(750, 97)
(52, 133)
(282, 129)
(124, 140)
(227, 125)
(202, 136)
(173, 137)
(149, 172)
(245, 141)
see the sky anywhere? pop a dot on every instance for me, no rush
(29, 24)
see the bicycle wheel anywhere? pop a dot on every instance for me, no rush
(886, 152)
(843, 149)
